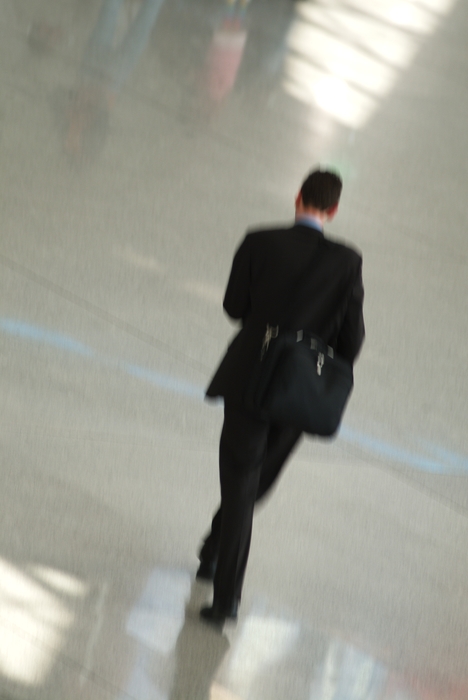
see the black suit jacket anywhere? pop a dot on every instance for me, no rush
(297, 278)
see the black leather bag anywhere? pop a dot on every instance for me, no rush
(300, 381)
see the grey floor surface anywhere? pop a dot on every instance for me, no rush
(138, 140)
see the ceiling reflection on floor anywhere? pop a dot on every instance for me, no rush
(175, 656)
(346, 57)
(270, 654)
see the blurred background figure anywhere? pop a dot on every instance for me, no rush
(109, 60)
(226, 50)
(44, 36)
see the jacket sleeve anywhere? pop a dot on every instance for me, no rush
(237, 297)
(352, 331)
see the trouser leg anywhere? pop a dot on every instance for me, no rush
(135, 41)
(282, 440)
(242, 450)
(280, 444)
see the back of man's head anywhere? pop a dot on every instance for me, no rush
(321, 190)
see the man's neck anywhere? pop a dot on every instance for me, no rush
(309, 220)
(311, 213)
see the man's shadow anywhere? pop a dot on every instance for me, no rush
(198, 653)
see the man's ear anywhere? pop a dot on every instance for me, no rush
(331, 211)
(298, 200)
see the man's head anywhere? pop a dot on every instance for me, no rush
(319, 194)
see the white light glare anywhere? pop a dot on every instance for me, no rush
(263, 641)
(345, 56)
(33, 620)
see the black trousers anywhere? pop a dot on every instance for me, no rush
(252, 453)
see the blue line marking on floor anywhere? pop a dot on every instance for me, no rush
(437, 460)
(455, 461)
(399, 454)
(27, 331)
(62, 342)
(164, 381)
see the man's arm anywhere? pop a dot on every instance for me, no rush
(237, 297)
(352, 332)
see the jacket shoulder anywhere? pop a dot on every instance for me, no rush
(260, 240)
(346, 251)
(275, 236)
(265, 233)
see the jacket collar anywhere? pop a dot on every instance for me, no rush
(310, 230)
(310, 221)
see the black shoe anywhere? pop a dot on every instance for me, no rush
(217, 614)
(206, 570)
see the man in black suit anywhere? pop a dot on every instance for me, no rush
(266, 270)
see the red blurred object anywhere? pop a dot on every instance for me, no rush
(224, 58)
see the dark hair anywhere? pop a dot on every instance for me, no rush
(321, 189)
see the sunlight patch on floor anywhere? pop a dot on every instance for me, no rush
(345, 57)
(36, 613)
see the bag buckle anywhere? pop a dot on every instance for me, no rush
(320, 361)
(271, 332)
(314, 345)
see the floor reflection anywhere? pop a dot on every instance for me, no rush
(176, 656)
(270, 655)
(35, 604)
(106, 66)
(275, 656)
(169, 654)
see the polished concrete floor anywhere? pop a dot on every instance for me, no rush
(138, 140)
